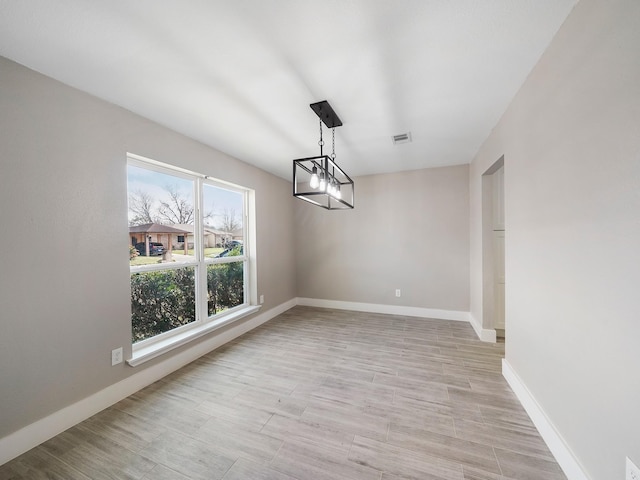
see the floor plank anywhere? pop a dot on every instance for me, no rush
(317, 394)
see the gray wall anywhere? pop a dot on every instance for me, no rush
(64, 281)
(409, 230)
(571, 145)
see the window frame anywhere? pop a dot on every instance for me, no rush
(203, 323)
(222, 260)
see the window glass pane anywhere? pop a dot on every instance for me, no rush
(161, 301)
(161, 217)
(225, 286)
(223, 221)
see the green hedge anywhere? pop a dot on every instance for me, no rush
(162, 301)
(225, 286)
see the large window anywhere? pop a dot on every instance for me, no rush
(188, 253)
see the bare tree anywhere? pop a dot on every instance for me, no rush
(141, 205)
(175, 210)
(229, 220)
(208, 215)
(228, 223)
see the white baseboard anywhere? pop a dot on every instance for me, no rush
(42, 430)
(388, 309)
(559, 448)
(484, 334)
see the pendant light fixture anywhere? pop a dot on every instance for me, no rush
(319, 180)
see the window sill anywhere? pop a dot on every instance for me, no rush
(154, 350)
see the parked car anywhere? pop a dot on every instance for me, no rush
(231, 252)
(155, 248)
(232, 244)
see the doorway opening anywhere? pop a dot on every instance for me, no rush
(493, 250)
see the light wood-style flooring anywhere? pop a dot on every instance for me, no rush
(314, 394)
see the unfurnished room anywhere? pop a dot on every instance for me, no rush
(367, 240)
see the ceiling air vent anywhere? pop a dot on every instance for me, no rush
(402, 138)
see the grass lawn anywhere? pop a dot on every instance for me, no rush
(142, 260)
(210, 252)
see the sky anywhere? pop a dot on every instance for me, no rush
(215, 199)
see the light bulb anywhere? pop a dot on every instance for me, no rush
(323, 184)
(338, 192)
(314, 182)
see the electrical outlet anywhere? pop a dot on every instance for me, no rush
(633, 472)
(116, 356)
(261, 299)
(398, 292)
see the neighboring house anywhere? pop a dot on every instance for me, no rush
(179, 238)
(237, 234)
(173, 236)
(155, 232)
(212, 237)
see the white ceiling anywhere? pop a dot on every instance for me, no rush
(239, 74)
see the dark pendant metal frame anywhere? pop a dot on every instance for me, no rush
(302, 171)
(325, 165)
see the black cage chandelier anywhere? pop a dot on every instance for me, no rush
(319, 180)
